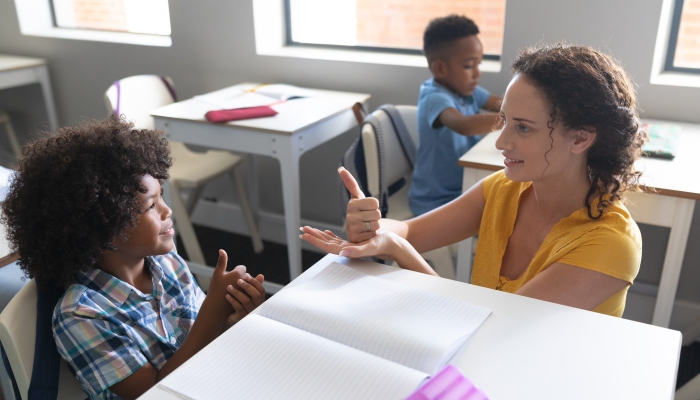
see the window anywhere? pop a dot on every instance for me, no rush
(387, 25)
(140, 22)
(135, 16)
(684, 40)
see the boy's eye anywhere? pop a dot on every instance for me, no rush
(153, 205)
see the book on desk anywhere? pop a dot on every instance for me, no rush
(343, 334)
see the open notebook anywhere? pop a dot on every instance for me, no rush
(261, 95)
(341, 335)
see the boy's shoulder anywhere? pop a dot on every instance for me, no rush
(431, 87)
(97, 293)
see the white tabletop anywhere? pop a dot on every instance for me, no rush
(531, 349)
(668, 177)
(293, 116)
(9, 62)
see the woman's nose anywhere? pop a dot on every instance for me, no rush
(503, 143)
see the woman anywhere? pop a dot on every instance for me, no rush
(552, 225)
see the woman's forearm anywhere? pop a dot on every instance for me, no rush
(407, 257)
(398, 227)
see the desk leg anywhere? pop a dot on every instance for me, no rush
(43, 75)
(288, 153)
(464, 255)
(673, 261)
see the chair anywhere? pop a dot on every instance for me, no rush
(398, 167)
(5, 120)
(134, 97)
(18, 335)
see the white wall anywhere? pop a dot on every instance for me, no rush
(213, 46)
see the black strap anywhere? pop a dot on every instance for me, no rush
(8, 368)
(47, 361)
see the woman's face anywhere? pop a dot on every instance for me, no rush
(531, 152)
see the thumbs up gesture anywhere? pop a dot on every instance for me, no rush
(363, 215)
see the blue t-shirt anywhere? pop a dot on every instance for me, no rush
(437, 179)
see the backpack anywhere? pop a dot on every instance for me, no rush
(354, 158)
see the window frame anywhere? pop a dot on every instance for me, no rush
(377, 49)
(673, 41)
(37, 18)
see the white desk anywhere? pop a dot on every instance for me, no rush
(672, 206)
(531, 349)
(301, 125)
(19, 71)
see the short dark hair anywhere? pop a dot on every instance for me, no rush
(443, 31)
(589, 89)
(76, 192)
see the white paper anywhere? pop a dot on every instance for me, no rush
(262, 95)
(412, 327)
(262, 359)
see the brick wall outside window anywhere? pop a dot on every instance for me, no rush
(688, 45)
(400, 23)
(105, 15)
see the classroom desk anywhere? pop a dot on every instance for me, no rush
(19, 71)
(301, 125)
(671, 206)
(531, 349)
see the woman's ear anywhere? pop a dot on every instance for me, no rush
(582, 140)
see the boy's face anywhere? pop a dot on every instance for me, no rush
(458, 69)
(153, 233)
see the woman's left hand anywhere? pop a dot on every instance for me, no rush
(383, 245)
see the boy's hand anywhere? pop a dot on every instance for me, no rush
(220, 279)
(246, 298)
(361, 211)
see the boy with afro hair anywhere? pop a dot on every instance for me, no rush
(448, 111)
(85, 212)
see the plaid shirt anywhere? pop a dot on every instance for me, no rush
(107, 329)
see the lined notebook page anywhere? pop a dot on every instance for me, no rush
(412, 327)
(262, 359)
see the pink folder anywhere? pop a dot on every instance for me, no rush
(239, 113)
(448, 384)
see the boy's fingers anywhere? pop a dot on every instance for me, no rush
(260, 278)
(255, 283)
(350, 184)
(244, 300)
(248, 287)
(234, 303)
(221, 264)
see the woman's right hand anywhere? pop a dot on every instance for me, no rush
(362, 211)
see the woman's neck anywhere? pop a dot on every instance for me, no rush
(560, 196)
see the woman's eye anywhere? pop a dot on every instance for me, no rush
(523, 128)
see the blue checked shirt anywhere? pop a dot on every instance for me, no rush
(107, 329)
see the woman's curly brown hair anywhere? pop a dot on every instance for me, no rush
(76, 193)
(588, 89)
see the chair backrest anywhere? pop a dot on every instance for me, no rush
(18, 336)
(135, 96)
(397, 166)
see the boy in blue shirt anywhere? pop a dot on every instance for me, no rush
(448, 111)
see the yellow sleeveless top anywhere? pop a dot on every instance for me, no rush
(611, 244)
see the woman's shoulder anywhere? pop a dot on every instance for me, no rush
(499, 183)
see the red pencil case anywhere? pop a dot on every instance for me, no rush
(239, 113)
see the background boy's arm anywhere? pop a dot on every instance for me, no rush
(493, 103)
(468, 125)
(211, 317)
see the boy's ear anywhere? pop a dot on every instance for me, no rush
(439, 68)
